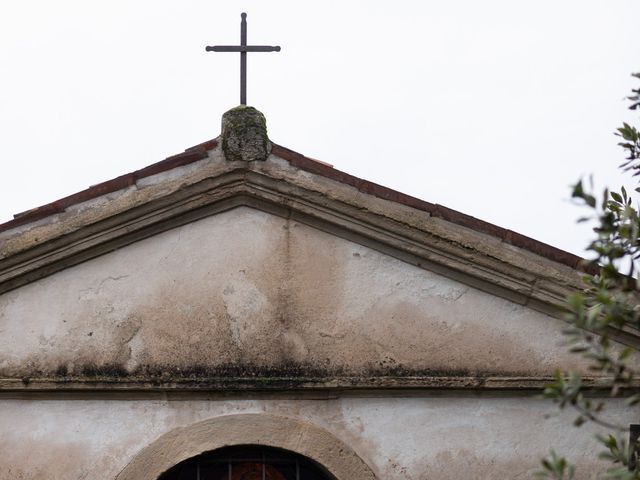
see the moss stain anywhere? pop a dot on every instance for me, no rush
(244, 135)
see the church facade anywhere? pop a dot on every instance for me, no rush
(240, 311)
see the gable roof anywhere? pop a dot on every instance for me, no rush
(200, 151)
(208, 178)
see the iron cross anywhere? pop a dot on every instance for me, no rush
(243, 48)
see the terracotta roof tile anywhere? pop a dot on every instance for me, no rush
(439, 211)
(190, 155)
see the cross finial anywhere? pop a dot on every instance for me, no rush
(243, 48)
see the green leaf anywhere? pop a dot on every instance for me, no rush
(624, 354)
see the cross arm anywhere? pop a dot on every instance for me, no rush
(242, 48)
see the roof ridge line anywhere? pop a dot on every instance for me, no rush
(190, 155)
(296, 159)
(435, 210)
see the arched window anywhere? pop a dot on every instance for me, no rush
(247, 463)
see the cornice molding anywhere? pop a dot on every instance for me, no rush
(473, 258)
(338, 384)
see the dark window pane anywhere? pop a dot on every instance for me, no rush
(287, 470)
(246, 463)
(214, 471)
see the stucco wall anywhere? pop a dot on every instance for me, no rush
(244, 290)
(435, 438)
(248, 293)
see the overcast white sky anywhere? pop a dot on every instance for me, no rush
(490, 107)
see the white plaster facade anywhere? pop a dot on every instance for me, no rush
(419, 344)
(443, 437)
(246, 286)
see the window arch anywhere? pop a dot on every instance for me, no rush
(247, 462)
(210, 435)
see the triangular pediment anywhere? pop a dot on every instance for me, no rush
(244, 292)
(214, 273)
(143, 206)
